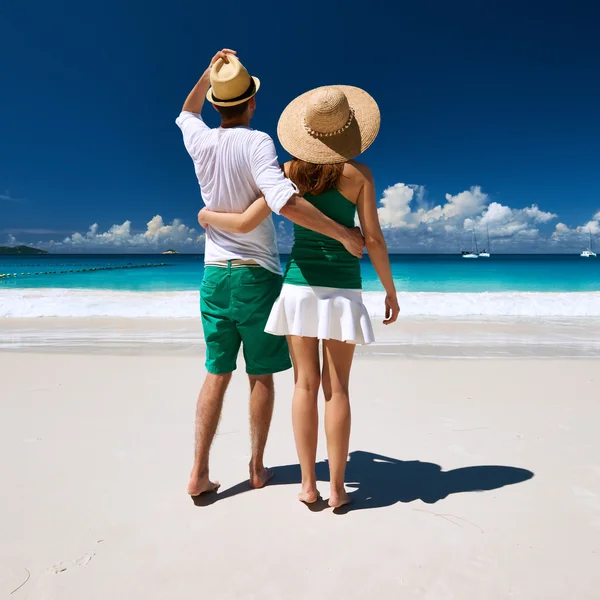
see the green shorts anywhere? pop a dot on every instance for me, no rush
(235, 303)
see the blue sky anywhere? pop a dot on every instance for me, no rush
(489, 110)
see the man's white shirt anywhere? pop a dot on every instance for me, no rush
(235, 166)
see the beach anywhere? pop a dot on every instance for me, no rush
(471, 478)
(445, 185)
(411, 338)
(473, 464)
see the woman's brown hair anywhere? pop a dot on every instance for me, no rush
(314, 179)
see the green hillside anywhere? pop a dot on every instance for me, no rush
(20, 250)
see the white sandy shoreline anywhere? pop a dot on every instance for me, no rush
(82, 303)
(409, 338)
(95, 450)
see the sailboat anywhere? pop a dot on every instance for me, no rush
(472, 253)
(485, 253)
(588, 252)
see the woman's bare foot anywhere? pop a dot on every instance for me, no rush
(337, 499)
(202, 485)
(309, 495)
(260, 477)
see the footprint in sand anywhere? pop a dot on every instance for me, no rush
(58, 568)
(85, 559)
(82, 561)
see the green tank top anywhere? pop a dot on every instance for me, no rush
(318, 260)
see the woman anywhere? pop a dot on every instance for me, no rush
(321, 298)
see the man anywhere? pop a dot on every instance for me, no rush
(234, 165)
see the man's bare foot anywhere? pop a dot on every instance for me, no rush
(198, 486)
(309, 495)
(260, 478)
(337, 499)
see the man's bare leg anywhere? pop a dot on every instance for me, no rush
(262, 396)
(208, 413)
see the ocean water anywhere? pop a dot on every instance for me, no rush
(429, 285)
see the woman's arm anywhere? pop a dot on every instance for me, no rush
(244, 222)
(375, 242)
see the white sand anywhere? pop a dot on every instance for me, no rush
(409, 338)
(95, 451)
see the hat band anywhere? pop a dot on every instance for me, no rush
(251, 89)
(318, 134)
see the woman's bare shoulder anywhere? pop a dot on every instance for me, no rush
(286, 166)
(357, 171)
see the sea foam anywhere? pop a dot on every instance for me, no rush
(33, 303)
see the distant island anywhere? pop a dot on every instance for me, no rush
(20, 250)
(169, 251)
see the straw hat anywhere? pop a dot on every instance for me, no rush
(330, 124)
(230, 83)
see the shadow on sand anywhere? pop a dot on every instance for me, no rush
(375, 481)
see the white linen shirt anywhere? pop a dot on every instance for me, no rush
(235, 166)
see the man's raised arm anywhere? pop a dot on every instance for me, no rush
(195, 100)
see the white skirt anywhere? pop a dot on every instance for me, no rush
(321, 312)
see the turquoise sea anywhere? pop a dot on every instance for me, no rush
(412, 273)
(167, 286)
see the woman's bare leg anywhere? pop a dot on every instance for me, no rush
(305, 417)
(337, 362)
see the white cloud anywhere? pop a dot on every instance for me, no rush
(465, 204)
(395, 206)
(12, 240)
(8, 197)
(120, 238)
(285, 236)
(397, 211)
(539, 215)
(505, 222)
(410, 223)
(563, 232)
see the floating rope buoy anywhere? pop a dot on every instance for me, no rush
(88, 269)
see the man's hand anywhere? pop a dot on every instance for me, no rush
(201, 218)
(392, 309)
(195, 100)
(221, 54)
(354, 242)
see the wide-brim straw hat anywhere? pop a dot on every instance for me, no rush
(231, 83)
(330, 124)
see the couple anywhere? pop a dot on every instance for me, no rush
(244, 300)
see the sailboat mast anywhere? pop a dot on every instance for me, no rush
(475, 241)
